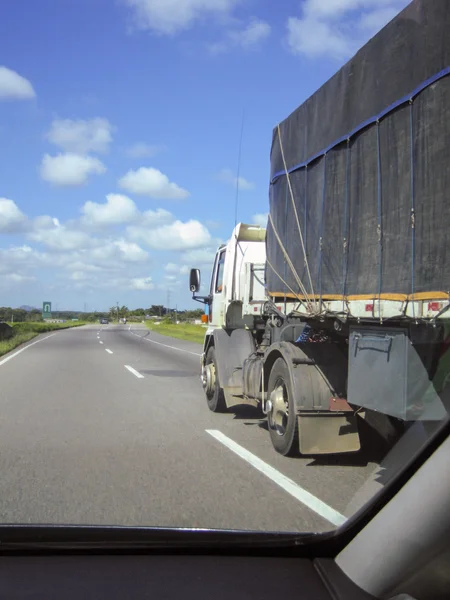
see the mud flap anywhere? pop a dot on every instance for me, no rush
(328, 433)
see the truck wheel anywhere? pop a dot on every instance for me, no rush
(214, 393)
(282, 418)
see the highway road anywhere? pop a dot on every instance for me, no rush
(109, 425)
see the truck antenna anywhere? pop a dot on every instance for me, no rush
(236, 202)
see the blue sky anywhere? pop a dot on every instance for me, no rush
(119, 133)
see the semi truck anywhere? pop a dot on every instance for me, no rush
(337, 311)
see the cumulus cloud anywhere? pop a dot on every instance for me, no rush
(169, 17)
(116, 210)
(156, 218)
(142, 283)
(130, 251)
(78, 259)
(246, 37)
(81, 136)
(176, 236)
(147, 181)
(70, 170)
(12, 219)
(227, 176)
(13, 86)
(199, 257)
(260, 219)
(337, 28)
(176, 269)
(143, 150)
(58, 237)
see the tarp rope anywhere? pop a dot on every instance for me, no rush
(291, 266)
(297, 220)
(295, 294)
(379, 225)
(324, 193)
(413, 206)
(345, 227)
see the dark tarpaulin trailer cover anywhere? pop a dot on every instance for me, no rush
(368, 160)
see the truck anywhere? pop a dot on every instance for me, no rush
(337, 311)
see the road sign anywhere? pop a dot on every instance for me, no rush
(47, 310)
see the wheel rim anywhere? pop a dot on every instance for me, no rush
(209, 379)
(279, 415)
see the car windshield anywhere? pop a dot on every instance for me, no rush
(296, 155)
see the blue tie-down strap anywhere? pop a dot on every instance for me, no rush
(305, 335)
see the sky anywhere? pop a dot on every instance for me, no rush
(120, 124)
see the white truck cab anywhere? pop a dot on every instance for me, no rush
(237, 281)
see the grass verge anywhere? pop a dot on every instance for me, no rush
(182, 331)
(17, 339)
(24, 332)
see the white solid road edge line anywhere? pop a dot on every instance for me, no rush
(5, 360)
(136, 373)
(312, 502)
(109, 351)
(165, 345)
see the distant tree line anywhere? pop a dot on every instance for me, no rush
(155, 310)
(19, 315)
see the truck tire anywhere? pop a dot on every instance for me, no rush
(282, 419)
(214, 393)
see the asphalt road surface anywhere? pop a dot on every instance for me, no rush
(109, 425)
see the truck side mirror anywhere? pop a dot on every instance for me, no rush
(194, 280)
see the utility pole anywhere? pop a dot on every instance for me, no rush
(117, 311)
(168, 302)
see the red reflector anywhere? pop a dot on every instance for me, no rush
(369, 307)
(255, 309)
(339, 405)
(434, 306)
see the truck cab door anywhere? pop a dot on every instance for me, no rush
(218, 291)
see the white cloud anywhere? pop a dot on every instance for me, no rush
(176, 236)
(169, 17)
(176, 269)
(81, 136)
(147, 181)
(58, 237)
(227, 176)
(199, 257)
(70, 169)
(260, 219)
(142, 283)
(13, 86)
(156, 218)
(11, 280)
(337, 28)
(130, 251)
(251, 35)
(116, 210)
(107, 252)
(12, 219)
(247, 37)
(143, 150)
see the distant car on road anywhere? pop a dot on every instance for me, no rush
(104, 321)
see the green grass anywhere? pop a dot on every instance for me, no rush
(17, 339)
(182, 331)
(40, 327)
(24, 332)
